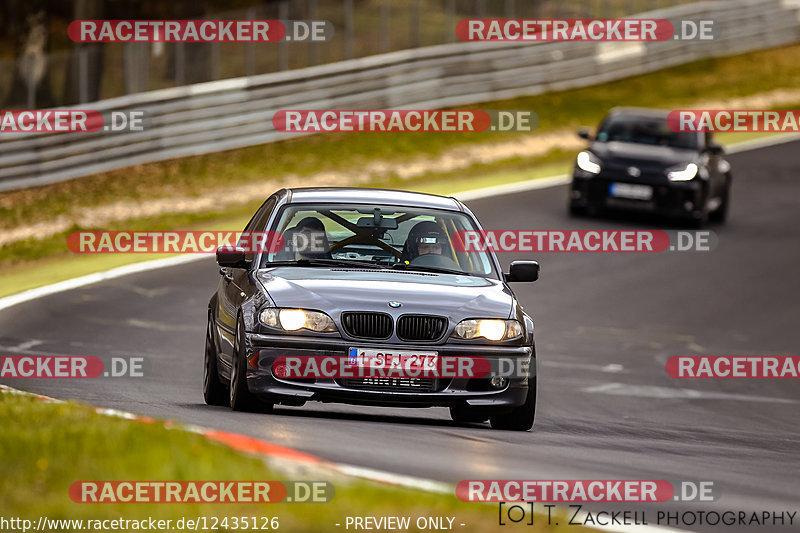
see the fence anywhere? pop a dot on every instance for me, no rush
(92, 72)
(208, 117)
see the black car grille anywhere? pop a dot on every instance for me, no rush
(421, 327)
(367, 325)
(392, 384)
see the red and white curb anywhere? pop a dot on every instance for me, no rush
(292, 462)
(279, 457)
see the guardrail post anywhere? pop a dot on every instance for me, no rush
(384, 37)
(480, 9)
(450, 11)
(508, 10)
(283, 46)
(312, 14)
(249, 50)
(180, 63)
(83, 74)
(348, 29)
(414, 23)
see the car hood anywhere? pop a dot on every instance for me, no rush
(334, 290)
(642, 155)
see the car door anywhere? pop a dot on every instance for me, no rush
(236, 284)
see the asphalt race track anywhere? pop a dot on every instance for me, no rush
(605, 326)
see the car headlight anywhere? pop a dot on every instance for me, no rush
(588, 162)
(296, 319)
(489, 328)
(683, 173)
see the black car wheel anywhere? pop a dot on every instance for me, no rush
(721, 213)
(465, 414)
(698, 221)
(578, 210)
(520, 418)
(214, 391)
(241, 399)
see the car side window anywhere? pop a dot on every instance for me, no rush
(259, 223)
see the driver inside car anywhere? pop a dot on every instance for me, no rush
(306, 240)
(426, 245)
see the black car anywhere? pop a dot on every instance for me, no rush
(384, 276)
(635, 162)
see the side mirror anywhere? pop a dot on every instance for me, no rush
(229, 256)
(715, 149)
(583, 133)
(522, 271)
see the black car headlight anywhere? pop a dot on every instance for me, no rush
(588, 162)
(492, 329)
(297, 319)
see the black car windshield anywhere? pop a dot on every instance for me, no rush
(380, 237)
(644, 130)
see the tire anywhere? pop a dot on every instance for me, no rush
(240, 397)
(721, 213)
(520, 418)
(466, 415)
(577, 210)
(214, 392)
(698, 223)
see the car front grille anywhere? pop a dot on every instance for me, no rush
(392, 384)
(367, 325)
(421, 327)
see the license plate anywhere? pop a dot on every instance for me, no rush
(385, 359)
(631, 190)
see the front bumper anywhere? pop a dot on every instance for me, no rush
(672, 199)
(445, 392)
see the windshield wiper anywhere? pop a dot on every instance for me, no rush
(346, 263)
(425, 268)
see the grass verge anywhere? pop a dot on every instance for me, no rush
(48, 446)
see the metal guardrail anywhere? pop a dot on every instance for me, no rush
(221, 115)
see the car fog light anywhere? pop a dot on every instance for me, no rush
(576, 194)
(498, 382)
(688, 206)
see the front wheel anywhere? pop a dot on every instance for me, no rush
(721, 213)
(241, 399)
(577, 210)
(465, 414)
(520, 418)
(214, 391)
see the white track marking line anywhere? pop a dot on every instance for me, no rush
(669, 393)
(23, 346)
(96, 277)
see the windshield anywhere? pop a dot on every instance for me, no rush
(645, 130)
(367, 236)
